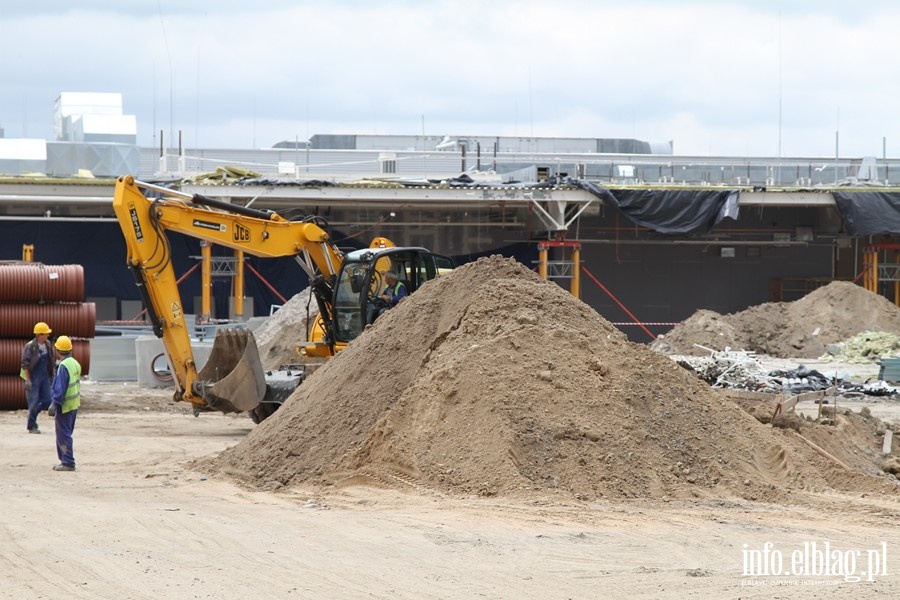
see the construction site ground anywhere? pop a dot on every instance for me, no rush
(472, 445)
(136, 521)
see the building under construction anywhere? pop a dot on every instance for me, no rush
(643, 236)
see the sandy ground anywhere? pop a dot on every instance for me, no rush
(136, 522)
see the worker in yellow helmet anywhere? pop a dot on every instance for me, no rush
(66, 400)
(37, 369)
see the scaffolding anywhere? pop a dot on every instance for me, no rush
(876, 270)
(562, 268)
(220, 266)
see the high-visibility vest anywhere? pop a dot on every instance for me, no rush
(72, 399)
(398, 285)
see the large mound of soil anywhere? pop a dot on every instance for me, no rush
(802, 328)
(492, 381)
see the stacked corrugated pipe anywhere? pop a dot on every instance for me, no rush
(31, 293)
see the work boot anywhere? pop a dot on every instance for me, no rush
(64, 468)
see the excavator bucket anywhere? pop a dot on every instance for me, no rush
(233, 379)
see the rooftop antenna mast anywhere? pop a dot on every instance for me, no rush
(154, 104)
(530, 105)
(780, 71)
(171, 75)
(197, 107)
(837, 140)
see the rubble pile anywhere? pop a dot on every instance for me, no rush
(278, 336)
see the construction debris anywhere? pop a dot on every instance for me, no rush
(742, 370)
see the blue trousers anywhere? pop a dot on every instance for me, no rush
(38, 399)
(65, 425)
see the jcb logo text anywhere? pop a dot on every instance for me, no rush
(241, 233)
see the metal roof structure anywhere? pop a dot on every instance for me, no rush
(338, 178)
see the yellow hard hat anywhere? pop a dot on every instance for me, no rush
(41, 328)
(63, 343)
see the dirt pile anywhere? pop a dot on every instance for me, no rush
(853, 438)
(492, 381)
(803, 328)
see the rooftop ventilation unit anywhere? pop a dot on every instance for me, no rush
(387, 163)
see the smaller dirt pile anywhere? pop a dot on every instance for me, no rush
(802, 328)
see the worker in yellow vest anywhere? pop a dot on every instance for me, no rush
(66, 400)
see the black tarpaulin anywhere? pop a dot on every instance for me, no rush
(670, 211)
(868, 213)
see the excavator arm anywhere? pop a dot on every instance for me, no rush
(232, 380)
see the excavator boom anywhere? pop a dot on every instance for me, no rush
(346, 287)
(232, 379)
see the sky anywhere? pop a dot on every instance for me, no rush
(803, 78)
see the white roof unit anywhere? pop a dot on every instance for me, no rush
(23, 149)
(69, 105)
(108, 124)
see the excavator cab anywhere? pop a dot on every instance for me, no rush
(360, 283)
(353, 305)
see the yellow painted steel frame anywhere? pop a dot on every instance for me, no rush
(205, 281)
(238, 284)
(144, 222)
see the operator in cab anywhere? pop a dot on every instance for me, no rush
(394, 291)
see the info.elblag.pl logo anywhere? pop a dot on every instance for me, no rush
(828, 564)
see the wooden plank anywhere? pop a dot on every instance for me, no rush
(822, 451)
(791, 402)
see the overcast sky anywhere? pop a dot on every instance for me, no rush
(718, 77)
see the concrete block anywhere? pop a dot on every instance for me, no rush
(152, 363)
(113, 359)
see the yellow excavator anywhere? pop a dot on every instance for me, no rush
(346, 286)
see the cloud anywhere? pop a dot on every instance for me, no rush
(715, 77)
